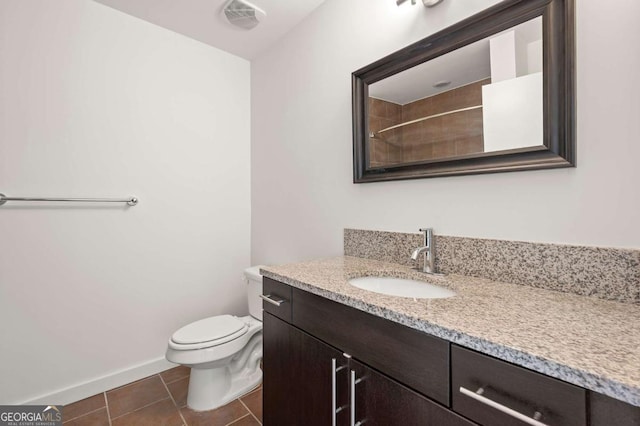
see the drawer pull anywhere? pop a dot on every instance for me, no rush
(477, 395)
(268, 298)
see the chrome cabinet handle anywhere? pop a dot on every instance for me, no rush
(268, 298)
(334, 396)
(477, 395)
(354, 382)
(333, 392)
(353, 398)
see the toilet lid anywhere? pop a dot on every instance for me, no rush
(208, 329)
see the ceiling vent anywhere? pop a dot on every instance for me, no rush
(243, 14)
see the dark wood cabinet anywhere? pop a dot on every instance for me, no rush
(308, 382)
(300, 376)
(329, 364)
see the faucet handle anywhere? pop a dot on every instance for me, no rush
(428, 233)
(428, 236)
(429, 251)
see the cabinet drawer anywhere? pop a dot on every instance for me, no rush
(516, 388)
(279, 299)
(607, 411)
(409, 356)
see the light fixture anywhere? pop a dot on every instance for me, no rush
(428, 3)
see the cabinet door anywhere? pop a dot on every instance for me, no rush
(380, 400)
(277, 375)
(299, 378)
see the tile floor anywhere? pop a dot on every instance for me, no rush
(160, 400)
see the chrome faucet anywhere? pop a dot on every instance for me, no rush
(429, 251)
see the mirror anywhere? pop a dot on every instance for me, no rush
(483, 97)
(491, 93)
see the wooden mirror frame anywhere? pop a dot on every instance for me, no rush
(558, 18)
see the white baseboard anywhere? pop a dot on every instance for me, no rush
(101, 384)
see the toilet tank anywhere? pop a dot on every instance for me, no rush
(254, 290)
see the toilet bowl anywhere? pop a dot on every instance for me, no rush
(223, 352)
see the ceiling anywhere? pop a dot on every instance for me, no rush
(418, 82)
(202, 20)
(460, 67)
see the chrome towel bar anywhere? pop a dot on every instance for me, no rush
(132, 201)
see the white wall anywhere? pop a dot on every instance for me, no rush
(512, 113)
(503, 55)
(302, 195)
(94, 102)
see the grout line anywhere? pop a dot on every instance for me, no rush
(250, 412)
(184, 422)
(106, 404)
(257, 388)
(85, 414)
(140, 408)
(173, 400)
(238, 419)
(176, 380)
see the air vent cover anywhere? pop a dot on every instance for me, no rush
(243, 14)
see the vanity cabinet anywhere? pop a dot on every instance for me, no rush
(308, 382)
(330, 364)
(326, 363)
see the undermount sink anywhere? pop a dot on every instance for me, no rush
(402, 287)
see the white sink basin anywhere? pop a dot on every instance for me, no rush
(401, 287)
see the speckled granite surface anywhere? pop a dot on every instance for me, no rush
(607, 273)
(586, 341)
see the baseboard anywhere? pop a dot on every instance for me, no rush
(101, 384)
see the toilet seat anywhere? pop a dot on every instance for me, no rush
(208, 332)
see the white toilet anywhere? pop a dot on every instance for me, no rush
(223, 352)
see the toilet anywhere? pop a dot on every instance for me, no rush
(223, 352)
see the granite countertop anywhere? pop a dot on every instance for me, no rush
(586, 341)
